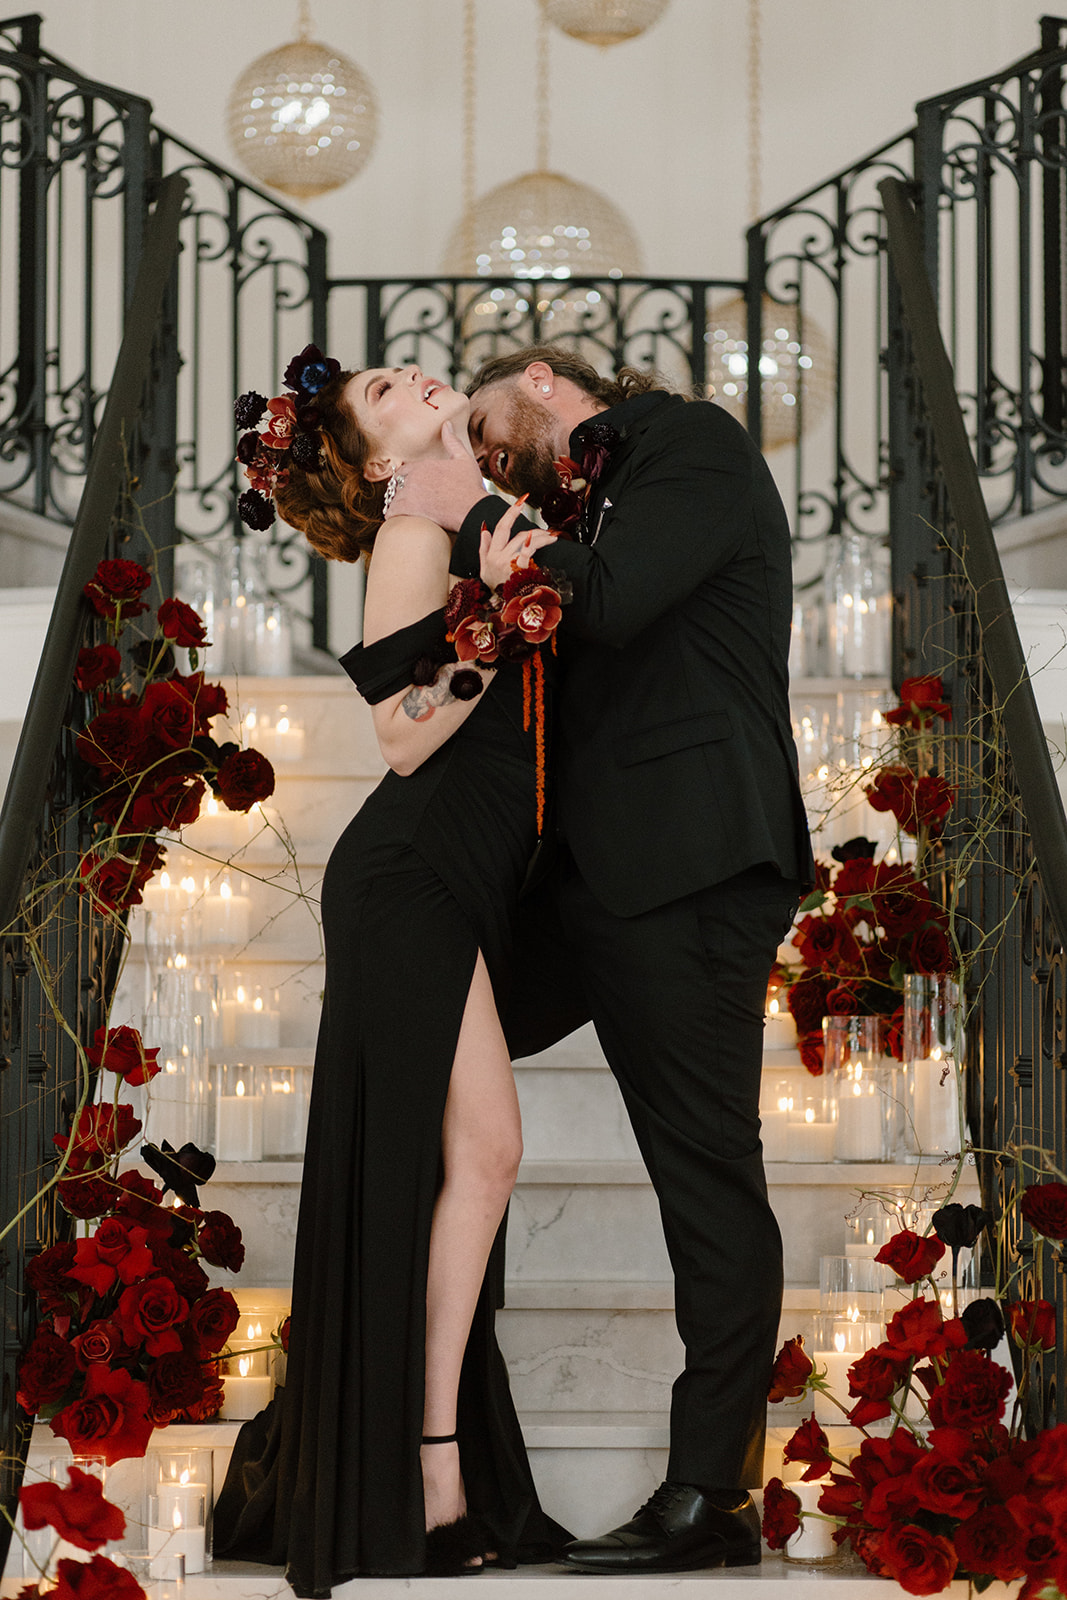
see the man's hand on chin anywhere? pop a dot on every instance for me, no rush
(443, 490)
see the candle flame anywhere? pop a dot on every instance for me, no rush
(225, 891)
(772, 1009)
(282, 725)
(935, 1053)
(870, 1235)
(839, 1341)
(176, 1519)
(809, 1114)
(257, 1003)
(185, 1476)
(244, 1366)
(251, 1331)
(250, 720)
(239, 994)
(164, 880)
(240, 1086)
(212, 807)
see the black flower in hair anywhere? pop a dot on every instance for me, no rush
(310, 371)
(466, 684)
(249, 446)
(306, 451)
(255, 510)
(248, 409)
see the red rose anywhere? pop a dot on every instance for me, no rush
(893, 1034)
(171, 712)
(911, 1257)
(85, 1197)
(168, 802)
(990, 1544)
(972, 1394)
(98, 1579)
(904, 911)
(806, 1000)
(841, 1497)
(948, 1487)
(115, 881)
(917, 1329)
(931, 952)
(781, 1509)
(210, 1403)
(283, 1334)
(79, 1513)
(45, 1371)
(921, 699)
(843, 1001)
(535, 612)
(823, 940)
(111, 1418)
(933, 801)
(809, 1443)
(872, 1379)
(114, 740)
(1044, 1207)
(97, 1134)
(102, 1342)
(116, 1253)
(812, 1047)
(1033, 1324)
(244, 779)
(147, 1313)
(882, 1462)
(893, 789)
(792, 1368)
(187, 1276)
(142, 1200)
(475, 638)
(48, 1276)
(175, 1383)
(213, 1319)
(97, 664)
(921, 1562)
(219, 1239)
(207, 699)
(181, 623)
(122, 1051)
(115, 589)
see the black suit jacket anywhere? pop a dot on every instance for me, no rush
(676, 766)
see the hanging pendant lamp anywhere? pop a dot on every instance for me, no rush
(603, 22)
(303, 119)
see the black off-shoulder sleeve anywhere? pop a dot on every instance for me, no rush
(384, 668)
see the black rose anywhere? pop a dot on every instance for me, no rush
(984, 1324)
(181, 1170)
(466, 684)
(854, 850)
(147, 654)
(255, 510)
(959, 1226)
(248, 409)
(310, 371)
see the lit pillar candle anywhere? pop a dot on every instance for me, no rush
(814, 1540)
(810, 1132)
(238, 1117)
(180, 1528)
(244, 1393)
(934, 1105)
(257, 1023)
(774, 1122)
(861, 1115)
(779, 1029)
(226, 915)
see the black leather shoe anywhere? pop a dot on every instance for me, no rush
(680, 1529)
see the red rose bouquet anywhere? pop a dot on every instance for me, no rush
(81, 1517)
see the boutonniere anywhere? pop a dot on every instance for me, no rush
(565, 509)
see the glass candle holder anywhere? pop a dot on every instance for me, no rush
(271, 639)
(931, 1054)
(857, 606)
(286, 1098)
(851, 1287)
(162, 1577)
(226, 912)
(873, 1223)
(776, 1099)
(863, 1088)
(810, 1125)
(238, 1112)
(246, 1365)
(181, 1496)
(838, 1341)
(813, 1543)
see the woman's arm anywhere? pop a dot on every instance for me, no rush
(407, 579)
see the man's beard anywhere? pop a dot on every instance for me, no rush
(531, 469)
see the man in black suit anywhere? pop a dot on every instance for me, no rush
(682, 851)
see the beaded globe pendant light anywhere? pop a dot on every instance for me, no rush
(795, 363)
(604, 22)
(542, 227)
(303, 119)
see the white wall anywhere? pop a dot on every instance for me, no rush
(659, 123)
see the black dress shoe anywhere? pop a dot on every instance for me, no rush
(680, 1529)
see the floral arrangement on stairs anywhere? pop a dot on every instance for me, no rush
(867, 923)
(940, 1486)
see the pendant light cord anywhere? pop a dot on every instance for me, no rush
(755, 111)
(541, 160)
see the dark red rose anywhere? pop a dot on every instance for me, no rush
(171, 801)
(147, 1313)
(170, 710)
(904, 911)
(781, 1518)
(111, 1418)
(283, 1334)
(219, 1239)
(911, 1257)
(45, 1371)
(933, 800)
(115, 881)
(175, 1383)
(98, 1133)
(78, 1513)
(207, 699)
(960, 1226)
(210, 1403)
(984, 1324)
(921, 700)
(48, 1275)
(841, 1497)
(877, 1373)
(918, 1329)
(882, 1468)
(1033, 1324)
(949, 1487)
(972, 1394)
(809, 1443)
(812, 1047)
(117, 1252)
(187, 1276)
(114, 740)
(244, 779)
(931, 952)
(921, 1562)
(1044, 1207)
(893, 1034)
(893, 789)
(991, 1544)
(213, 1319)
(85, 1197)
(97, 664)
(142, 1200)
(122, 1051)
(806, 1000)
(792, 1368)
(843, 1001)
(98, 1579)
(101, 1342)
(180, 623)
(115, 588)
(823, 941)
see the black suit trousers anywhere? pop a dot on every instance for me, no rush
(677, 998)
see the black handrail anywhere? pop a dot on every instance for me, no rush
(1001, 646)
(27, 786)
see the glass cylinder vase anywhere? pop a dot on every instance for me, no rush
(857, 606)
(932, 1043)
(862, 1088)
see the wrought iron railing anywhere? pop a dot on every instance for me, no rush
(1006, 849)
(58, 965)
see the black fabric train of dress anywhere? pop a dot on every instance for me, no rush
(326, 1481)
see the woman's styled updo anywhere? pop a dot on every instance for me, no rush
(308, 460)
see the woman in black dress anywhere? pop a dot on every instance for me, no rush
(414, 1137)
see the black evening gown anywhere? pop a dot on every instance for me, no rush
(326, 1481)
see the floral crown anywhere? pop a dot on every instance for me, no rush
(291, 433)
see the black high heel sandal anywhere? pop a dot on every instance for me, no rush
(452, 1546)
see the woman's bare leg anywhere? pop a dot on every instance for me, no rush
(481, 1146)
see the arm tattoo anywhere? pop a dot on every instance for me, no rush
(419, 704)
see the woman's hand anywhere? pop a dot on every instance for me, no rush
(501, 552)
